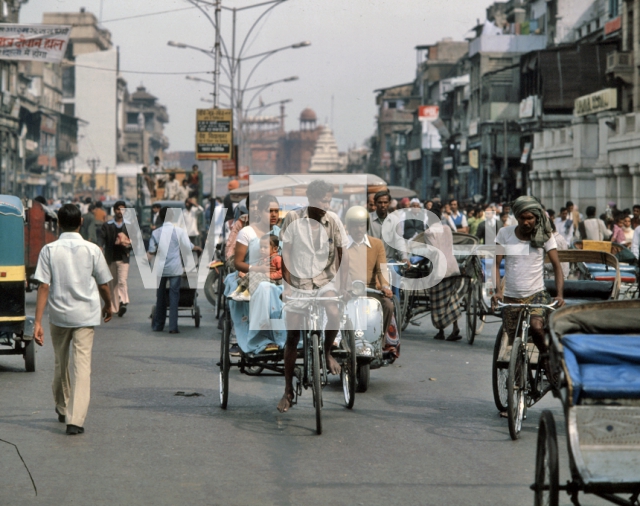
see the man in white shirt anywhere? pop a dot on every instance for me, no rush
(171, 188)
(635, 243)
(73, 275)
(191, 212)
(564, 225)
(171, 271)
(523, 247)
(457, 218)
(156, 166)
(593, 228)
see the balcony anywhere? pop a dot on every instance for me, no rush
(621, 66)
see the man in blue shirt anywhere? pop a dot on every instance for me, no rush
(166, 242)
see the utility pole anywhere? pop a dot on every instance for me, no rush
(505, 163)
(216, 93)
(93, 163)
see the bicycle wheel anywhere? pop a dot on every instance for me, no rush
(225, 362)
(516, 388)
(349, 366)
(316, 385)
(472, 311)
(499, 374)
(546, 486)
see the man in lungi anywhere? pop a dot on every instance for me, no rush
(444, 297)
(523, 247)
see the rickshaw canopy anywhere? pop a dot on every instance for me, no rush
(11, 231)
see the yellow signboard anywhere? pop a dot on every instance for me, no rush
(214, 134)
(602, 100)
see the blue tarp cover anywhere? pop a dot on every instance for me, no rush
(603, 366)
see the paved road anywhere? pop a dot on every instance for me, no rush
(426, 432)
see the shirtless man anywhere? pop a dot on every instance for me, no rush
(312, 241)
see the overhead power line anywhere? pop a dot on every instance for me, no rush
(146, 15)
(144, 71)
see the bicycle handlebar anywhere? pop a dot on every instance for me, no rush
(303, 299)
(534, 306)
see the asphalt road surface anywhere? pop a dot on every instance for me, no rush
(425, 433)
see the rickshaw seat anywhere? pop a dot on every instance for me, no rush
(603, 366)
(602, 275)
(585, 290)
(600, 267)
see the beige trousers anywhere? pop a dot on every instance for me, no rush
(118, 285)
(72, 397)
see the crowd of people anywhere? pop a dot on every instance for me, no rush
(312, 251)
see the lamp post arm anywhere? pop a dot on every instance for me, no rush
(253, 26)
(246, 82)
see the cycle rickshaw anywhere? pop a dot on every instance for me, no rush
(595, 360)
(310, 370)
(518, 379)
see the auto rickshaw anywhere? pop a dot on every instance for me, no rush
(16, 329)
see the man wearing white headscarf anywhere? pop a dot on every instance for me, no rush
(415, 220)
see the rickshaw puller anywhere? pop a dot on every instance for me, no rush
(524, 280)
(315, 237)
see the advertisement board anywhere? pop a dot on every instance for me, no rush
(47, 43)
(214, 134)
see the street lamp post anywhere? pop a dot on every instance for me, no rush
(233, 73)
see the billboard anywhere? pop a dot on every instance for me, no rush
(46, 43)
(214, 134)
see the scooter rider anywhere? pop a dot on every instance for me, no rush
(366, 255)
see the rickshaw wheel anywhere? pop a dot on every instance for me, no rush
(472, 311)
(499, 376)
(516, 386)
(211, 287)
(224, 363)
(349, 367)
(398, 314)
(30, 355)
(546, 486)
(197, 316)
(363, 376)
(153, 313)
(316, 385)
(404, 311)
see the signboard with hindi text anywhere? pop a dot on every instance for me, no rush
(214, 134)
(46, 43)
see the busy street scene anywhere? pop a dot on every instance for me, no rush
(287, 252)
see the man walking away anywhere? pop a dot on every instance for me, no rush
(171, 272)
(116, 252)
(148, 187)
(88, 228)
(593, 228)
(73, 275)
(191, 212)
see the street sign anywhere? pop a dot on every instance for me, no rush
(428, 112)
(229, 168)
(214, 134)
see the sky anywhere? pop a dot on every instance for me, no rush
(357, 46)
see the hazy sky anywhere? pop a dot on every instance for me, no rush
(357, 46)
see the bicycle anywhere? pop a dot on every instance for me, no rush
(314, 368)
(524, 388)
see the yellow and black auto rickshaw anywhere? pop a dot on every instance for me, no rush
(16, 329)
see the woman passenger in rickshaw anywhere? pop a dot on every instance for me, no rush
(251, 320)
